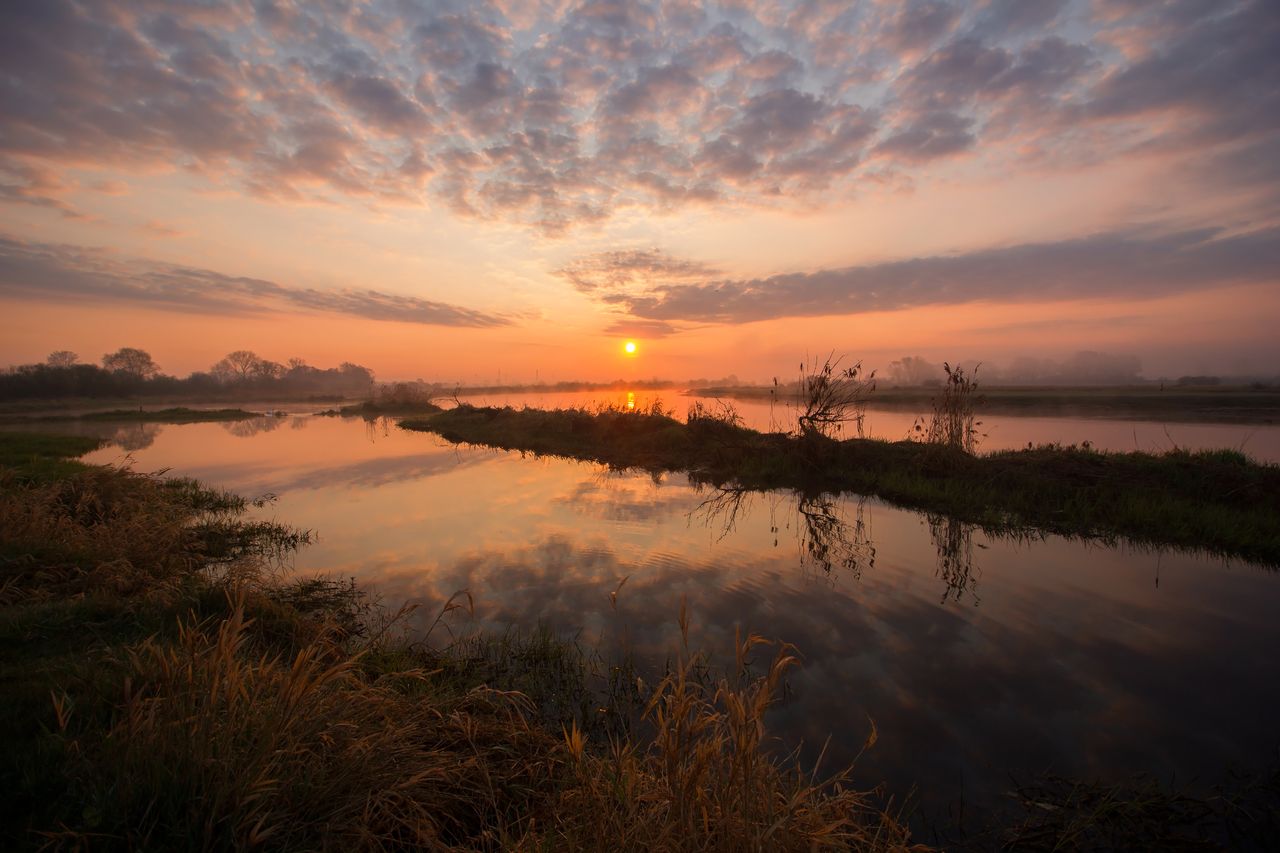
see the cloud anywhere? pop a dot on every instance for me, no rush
(919, 23)
(1123, 264)
(930, 136)
(58, 271)
(556, 114)
(34, 185)
(1215, 67)
(628, 270)
(156, 228)
(628, 328)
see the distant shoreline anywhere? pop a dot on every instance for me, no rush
(1227, 404)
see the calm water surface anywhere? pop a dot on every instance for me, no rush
(977, 658)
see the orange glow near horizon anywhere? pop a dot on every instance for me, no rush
(836, 187)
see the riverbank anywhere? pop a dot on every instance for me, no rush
(1218, 501)
(164, 686)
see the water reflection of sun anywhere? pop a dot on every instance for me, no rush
(631, 399)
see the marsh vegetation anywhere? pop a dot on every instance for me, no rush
(167, 687)
(543, 738)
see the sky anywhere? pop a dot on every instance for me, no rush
(509, 190)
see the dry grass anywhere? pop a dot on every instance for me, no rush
(953, 422)
(706, 779)
(116, 531)
(217, 746)
(292, 716)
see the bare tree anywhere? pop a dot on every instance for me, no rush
(131, 360)
(268, 369)
(240, 364)
(914, 370)
(61, 358)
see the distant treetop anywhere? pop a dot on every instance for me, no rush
(131, 360)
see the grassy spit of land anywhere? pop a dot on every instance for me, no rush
(163, 687)
(379, 409)
(1219, 501)
(172, 415)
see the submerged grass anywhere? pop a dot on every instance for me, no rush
(1219, 501)
(164, 688)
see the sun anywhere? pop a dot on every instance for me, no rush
(629, 347)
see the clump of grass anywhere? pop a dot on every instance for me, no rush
(394, 398)
(113, 530)
(403, 394)
(953, 422)
(706, 780)
(216, 746)
(830, 398)
(722, 412)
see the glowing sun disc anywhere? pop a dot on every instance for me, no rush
(630, 347)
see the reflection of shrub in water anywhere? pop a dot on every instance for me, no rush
(721, 509)
(252, 427)
(136, 436)
(830, 542)
(825, 539)
(954, 543)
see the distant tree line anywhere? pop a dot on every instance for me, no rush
(1082, 368)
(132, 372)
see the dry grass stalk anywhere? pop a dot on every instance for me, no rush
(953, 422)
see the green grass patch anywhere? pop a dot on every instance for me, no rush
(43, 456)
